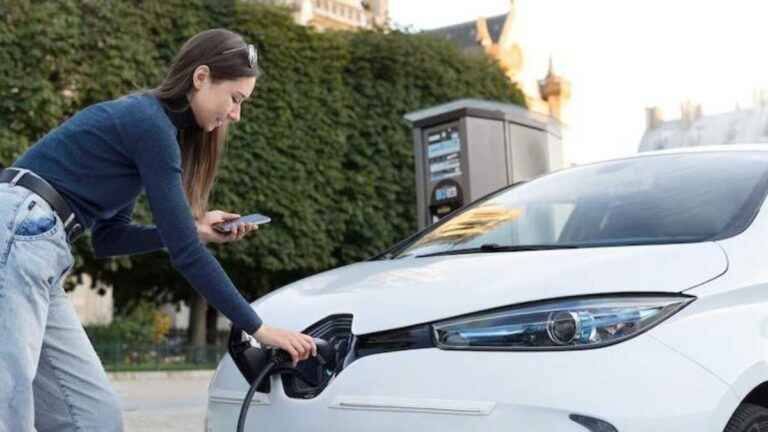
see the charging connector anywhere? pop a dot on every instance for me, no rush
(259, 363)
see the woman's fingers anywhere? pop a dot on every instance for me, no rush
(218, 216)
(238, 232)
(301, 351)
(293, 352)
(242, 230)
(306, 341)
(312, 344)
(228, 216)
(298, 345)
(307, 346)
(302, 348)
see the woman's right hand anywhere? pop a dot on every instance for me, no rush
(298, 345)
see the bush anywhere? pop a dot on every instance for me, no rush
(143, 326)
(322, 147)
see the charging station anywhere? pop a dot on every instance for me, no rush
(468, 148)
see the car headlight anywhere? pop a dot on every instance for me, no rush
(577, 323)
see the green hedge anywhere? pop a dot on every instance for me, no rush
(322, 147)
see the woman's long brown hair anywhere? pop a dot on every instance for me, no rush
(201, 151)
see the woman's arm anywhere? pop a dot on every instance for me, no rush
(159, 165)
(118, 236)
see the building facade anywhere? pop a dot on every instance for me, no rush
(498, 37)
(693, 128)
(93, 304)
(337, 14)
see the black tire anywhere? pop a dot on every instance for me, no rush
(748, 418)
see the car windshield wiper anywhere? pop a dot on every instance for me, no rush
(494, 247)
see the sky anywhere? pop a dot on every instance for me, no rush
(622, 56)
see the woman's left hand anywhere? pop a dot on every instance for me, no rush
(208, 235)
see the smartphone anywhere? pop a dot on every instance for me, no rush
(254, 218)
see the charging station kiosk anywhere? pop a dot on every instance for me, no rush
(468, 148)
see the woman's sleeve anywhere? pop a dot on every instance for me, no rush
(118, 236)
(159, 165)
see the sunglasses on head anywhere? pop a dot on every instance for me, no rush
(253, 55)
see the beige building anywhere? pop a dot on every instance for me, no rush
(693, 128)
(93, 305)
(337, 14)
(499, 38)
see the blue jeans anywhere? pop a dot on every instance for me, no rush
(50, 376)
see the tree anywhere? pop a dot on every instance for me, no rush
(322, 147)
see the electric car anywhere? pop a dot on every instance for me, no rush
(628, 295)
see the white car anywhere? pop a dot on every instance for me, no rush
(622, 296)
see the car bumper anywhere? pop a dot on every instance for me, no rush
(638, 385)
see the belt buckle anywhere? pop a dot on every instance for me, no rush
(74, 233)
(18, 176)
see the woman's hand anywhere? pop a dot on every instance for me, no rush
(209, 235)
(298, 345)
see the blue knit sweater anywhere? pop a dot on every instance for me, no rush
(102, 158)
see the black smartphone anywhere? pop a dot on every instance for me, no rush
(254, 218)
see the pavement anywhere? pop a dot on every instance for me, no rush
(163, 401)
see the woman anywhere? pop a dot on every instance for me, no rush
(87, 174)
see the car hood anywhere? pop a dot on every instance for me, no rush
(389, 294)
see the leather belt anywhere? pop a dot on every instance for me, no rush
(25, 179)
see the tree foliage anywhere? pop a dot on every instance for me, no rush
(322, 146)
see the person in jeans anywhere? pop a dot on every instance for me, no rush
(87, 174)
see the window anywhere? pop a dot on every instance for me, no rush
(646, 200)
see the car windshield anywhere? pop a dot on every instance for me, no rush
(671, 198)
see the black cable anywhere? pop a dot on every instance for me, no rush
(249, 396)
(278, 363)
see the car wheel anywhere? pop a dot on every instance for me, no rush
(748, 418)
